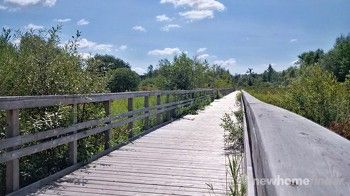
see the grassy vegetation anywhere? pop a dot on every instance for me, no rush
(235, 147)
(317, 87)
(316, 95)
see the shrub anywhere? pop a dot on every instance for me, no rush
(314, 95)
(123, 79)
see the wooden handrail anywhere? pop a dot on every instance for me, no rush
(15, 145)
(297, 155)
(22, 102)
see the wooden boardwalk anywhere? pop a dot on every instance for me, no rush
(185, 157)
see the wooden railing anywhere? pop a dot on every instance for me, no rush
(298, 155)
(17, 145)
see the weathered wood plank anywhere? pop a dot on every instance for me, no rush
(7, 156)
(73, 145)
(159, 116)
(286, 145)
(23, 139)
(146, 106)
(108, 134)
(176, 159)
(12, 166)
(130, 124)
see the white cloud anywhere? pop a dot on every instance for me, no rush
(163, 18)
(33, 27)
(197, 4)
(2, 7)
(24, 3)
(139, 70)
(197, 14)
(203, 56)
(83, 22)
(139, 28)
(200, 50)
(83, 43)
(293, 40)
(199, 9)
(63, 20)
(164, 52)
(226, 63)
(123, 47)
(168, 27)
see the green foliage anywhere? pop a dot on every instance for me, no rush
(310, 57)
(149, 84)
(234, 143)
(316, 95)
(313, 95)
(123, 79)
(178, 74)
(186, 73)
(269, 75)
(337, 60)
(319, 89)
(238, 185)
(37, 66)
(101, 64)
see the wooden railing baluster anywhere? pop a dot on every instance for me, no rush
(146, 105)
(12, 167)
(73, 146)
(131, 124)
(167, 100)
(108, 134)
(159, 116)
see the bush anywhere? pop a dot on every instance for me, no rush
(314, 95)
(123, 79)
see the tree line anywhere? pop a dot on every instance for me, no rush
(39, 65)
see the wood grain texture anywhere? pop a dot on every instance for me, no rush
(181, 158)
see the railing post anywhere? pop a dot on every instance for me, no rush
(173, 111)
(212, 95)
(159, 116)
(168, 115)
(108, 133)
(73, 146)
(12, 167)
(131, 124)
(146, 106)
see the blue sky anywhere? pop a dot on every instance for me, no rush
(236, 34)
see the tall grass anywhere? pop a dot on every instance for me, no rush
(235, 147)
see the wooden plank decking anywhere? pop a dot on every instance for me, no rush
(186, 157)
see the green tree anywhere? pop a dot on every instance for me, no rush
(310, 58)
(337, 60)
(123, 79)
(37, 66)
(101, 64)
(178, 74)
(270, 75)
(314, 95)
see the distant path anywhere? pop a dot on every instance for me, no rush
(185, 157)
